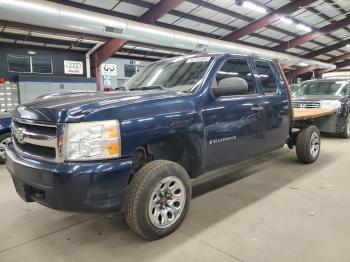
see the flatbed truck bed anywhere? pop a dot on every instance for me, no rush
(324, 119)
(311, 113)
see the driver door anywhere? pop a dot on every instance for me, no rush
(233, 124)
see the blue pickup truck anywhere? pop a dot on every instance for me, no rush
(136, 150)
(5, 133)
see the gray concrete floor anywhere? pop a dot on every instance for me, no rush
(267, 209)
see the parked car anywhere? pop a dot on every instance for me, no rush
(137, 149)
(294, 88)
(5, 133)
(329, 94)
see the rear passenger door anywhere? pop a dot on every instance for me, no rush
(276, 105)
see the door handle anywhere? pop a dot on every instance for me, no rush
(257, 108)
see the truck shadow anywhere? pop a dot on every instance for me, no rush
(331, 136)
(283, 163)
(217, 196)
(225, 192)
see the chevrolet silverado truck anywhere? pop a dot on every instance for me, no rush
(327, 94)
(136, 150)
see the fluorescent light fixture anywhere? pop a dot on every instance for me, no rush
(228, 73)
(263, 76)
(254, 7)
(30, 52)
(286, 20)
(303, 64)
(304, 27)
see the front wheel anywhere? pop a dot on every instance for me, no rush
(4, 140)
(308, 145)
(157, 199)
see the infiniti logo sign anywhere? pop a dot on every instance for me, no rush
(109, 69)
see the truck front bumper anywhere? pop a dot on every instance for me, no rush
(77, 187)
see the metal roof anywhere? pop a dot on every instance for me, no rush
(214, 18)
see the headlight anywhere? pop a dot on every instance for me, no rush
(330, 104)
(93, 140)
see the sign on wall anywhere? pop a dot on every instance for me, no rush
(109, 69)
(107, 80)
(73, 67)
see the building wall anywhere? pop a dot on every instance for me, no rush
(120, 78)
(58, 58)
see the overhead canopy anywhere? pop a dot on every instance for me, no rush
(53, 15)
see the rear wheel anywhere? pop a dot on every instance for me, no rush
(346, 132)
(308, 145)
(4, 140)
(157, 199)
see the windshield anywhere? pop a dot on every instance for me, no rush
(181, 74)
(337, 88)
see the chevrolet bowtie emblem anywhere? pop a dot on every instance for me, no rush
(18, 134)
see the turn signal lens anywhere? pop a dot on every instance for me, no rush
(114, 148)
(113, 131)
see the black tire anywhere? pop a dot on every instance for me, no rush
(140, 192)
(3, 138)
(304, 148)
(346, 132)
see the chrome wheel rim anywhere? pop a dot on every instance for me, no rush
(3, 145)
(167, 202)
(314, 144)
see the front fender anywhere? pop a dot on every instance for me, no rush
(149, 120)
(137, 132)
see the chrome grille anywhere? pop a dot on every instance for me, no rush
(306, 105)
(36, 140)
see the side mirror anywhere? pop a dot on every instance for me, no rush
(230, 86)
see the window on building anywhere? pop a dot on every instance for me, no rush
(237, 68)
(266, 76)
(20, 64)
(41, 65)
(129, 70)
(29, 64)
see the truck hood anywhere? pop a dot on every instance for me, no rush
(71, 107)
(316, 98)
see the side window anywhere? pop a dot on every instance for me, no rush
(237, 68)
(345, 90)
(266, 76)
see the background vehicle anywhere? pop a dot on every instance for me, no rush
(5, 134)
(328, 94)
(138, 149)
(294, 88)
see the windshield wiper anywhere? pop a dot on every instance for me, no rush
(152, 87)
